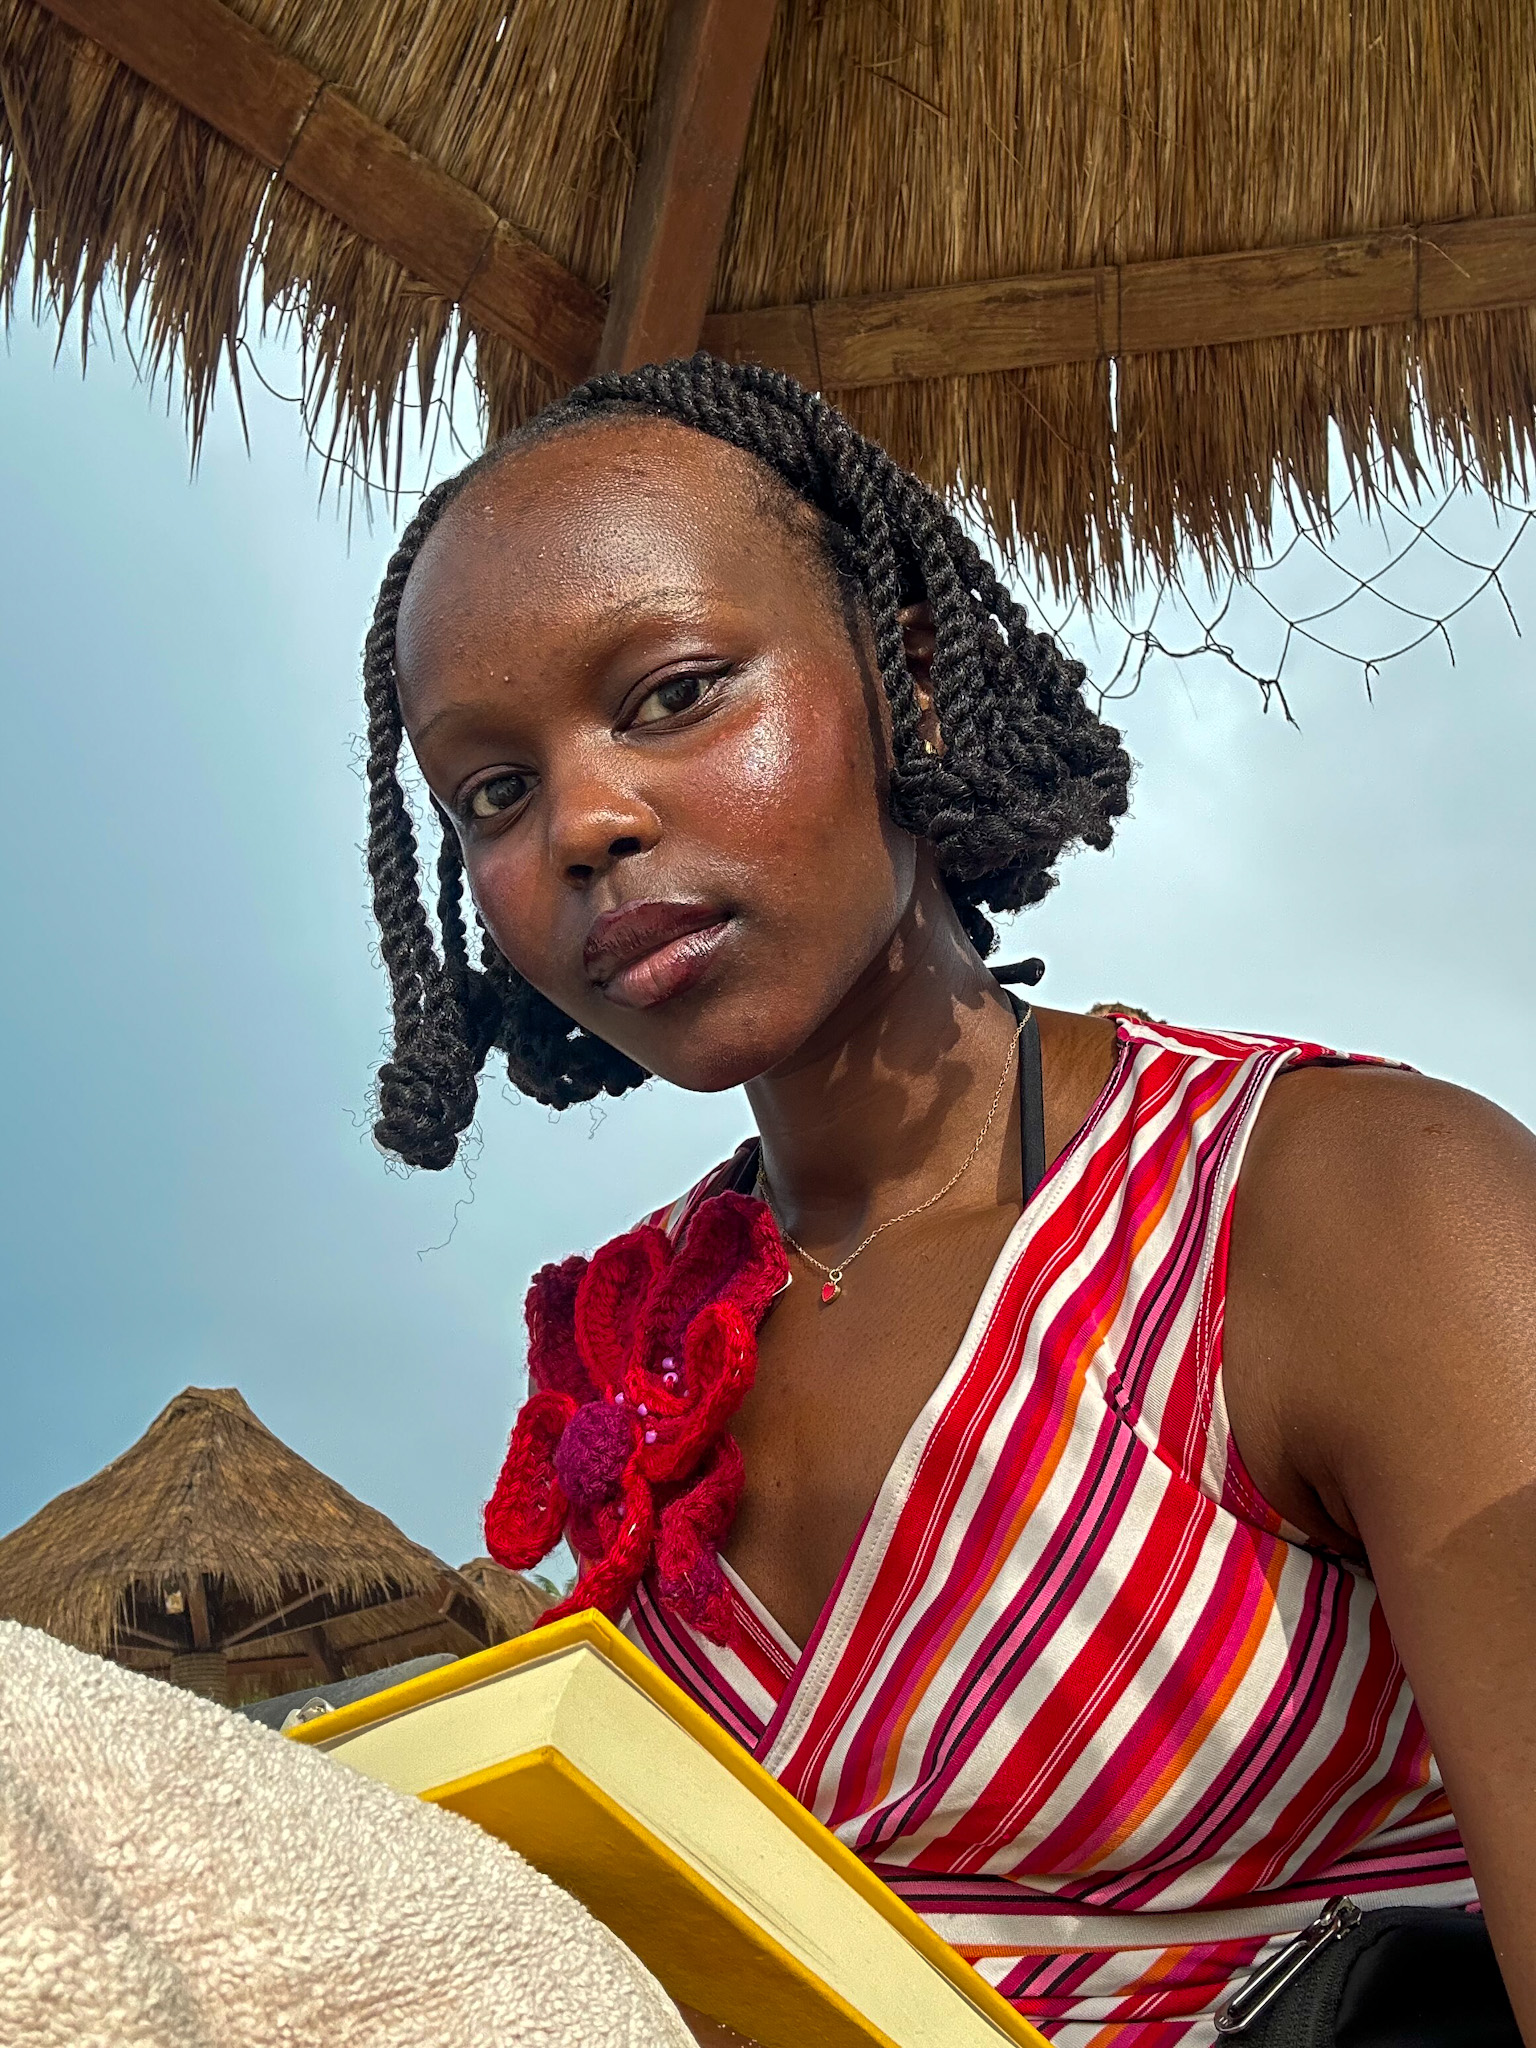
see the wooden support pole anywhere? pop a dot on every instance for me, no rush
(322, 1656)
(711, 59)
(197, 1612)
(205, 1672)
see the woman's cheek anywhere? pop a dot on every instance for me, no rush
(506, 895)
(758, 778)
(797, 772)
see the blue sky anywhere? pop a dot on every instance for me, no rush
(191, 1013)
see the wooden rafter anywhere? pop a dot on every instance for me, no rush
(1131, 309)
(711, 59)
(311, 1609)
(277, 1619)
(140, 1638)
(415, 1642)
(211, 62)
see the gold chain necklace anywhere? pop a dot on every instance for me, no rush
(832, 1286)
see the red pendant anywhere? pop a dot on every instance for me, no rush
(830, 1290)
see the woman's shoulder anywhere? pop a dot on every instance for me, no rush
(1380, 1241)
(1364, 1146)
(1082, 1052)
(1118, 1066)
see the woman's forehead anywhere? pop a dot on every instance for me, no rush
(592, 520)
(610, 476)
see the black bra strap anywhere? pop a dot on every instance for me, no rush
(741, 1170)
(743, 1178)
(1031, 1100)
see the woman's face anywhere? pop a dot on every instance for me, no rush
(633, 688)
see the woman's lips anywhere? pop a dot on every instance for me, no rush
(647, 953)
(657, 977)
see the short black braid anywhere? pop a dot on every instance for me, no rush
(1023, 769)
(405, 939)
(450, 910)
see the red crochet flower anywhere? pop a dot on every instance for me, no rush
(637, 1360)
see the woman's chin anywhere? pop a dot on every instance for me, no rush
(728, 1030)
(707, 1056)
(708, 1076)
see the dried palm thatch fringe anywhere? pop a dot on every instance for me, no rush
(515, 1600)
(895, 143)
(207, 1491)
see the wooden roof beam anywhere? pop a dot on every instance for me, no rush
(1393, 278)
(711, 58)
(311, 1608)
(209, 61)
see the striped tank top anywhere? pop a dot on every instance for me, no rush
(1079, 1695)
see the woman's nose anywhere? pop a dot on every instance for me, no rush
(593, 824)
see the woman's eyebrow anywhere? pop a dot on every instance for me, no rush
(444, 714)
(683, 596)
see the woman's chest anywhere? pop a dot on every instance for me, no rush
(839, 1387)
(1055, 1661)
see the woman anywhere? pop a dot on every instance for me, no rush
(1143, 1428)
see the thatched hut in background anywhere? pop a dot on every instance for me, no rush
(1111, 271)
(516, 1602)
(212, 1555)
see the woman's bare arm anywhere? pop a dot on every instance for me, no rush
(1381, 1379)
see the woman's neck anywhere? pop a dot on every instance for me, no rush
(885, 1101)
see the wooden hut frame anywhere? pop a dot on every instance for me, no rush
(1110, 270)
(212, 1554)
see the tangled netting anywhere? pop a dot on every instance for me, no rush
(1024, 768)
(637, 1360)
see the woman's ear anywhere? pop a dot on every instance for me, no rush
(917, 639)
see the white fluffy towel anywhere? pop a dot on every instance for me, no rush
(174, 1876)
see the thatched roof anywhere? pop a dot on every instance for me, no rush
(516, 1601)
(211, 1527)
(1071, 161)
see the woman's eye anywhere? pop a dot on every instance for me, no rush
(495, 798)
(671, 698)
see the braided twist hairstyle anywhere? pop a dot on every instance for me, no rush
(1024, 770)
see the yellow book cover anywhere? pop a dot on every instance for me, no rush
(571, 1746)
